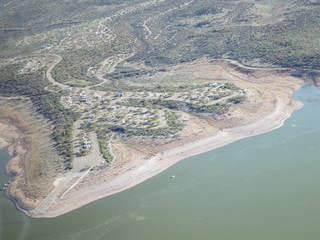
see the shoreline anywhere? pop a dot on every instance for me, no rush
(11, 145)
(141, 170)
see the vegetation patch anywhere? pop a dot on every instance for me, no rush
(215, 109)
(48, 104)
(174, 123)
(104, 135)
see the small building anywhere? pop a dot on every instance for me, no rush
(69, 90)
(194, 97)
(86, 145)
(120, 94)
(213, 85)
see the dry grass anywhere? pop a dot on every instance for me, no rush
(33, 164)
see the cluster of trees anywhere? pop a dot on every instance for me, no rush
(174, 125)
(173, 120)
(104, 134)
(237, 99)
(148, 132)
(48, 104)
(214, 109)
(118, 87)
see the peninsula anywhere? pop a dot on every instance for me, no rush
(112, 94)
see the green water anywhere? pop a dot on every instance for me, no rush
(260, 188)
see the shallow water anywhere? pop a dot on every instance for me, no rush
(260, 188)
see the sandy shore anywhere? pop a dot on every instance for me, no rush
(106, 183)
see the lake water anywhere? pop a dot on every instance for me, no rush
(260, 188)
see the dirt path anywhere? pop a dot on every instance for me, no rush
(162, 119)
(144, 25)
(113, 62)
(148, 30)
(57, 60)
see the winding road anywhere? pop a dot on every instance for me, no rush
(112, 66)
(57, 60)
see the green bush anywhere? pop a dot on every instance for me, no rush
(104, 135)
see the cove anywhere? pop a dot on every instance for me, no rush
(259, 188)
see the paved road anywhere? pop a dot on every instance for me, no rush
(57, 191)
(93, 159)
